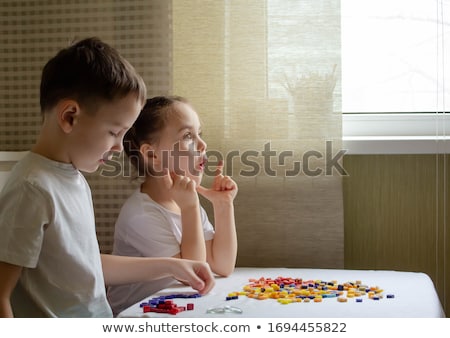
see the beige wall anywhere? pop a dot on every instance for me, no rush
(396, 215)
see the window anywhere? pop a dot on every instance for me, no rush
(395, 76)
(394, 57)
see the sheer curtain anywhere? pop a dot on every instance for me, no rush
(264, 77)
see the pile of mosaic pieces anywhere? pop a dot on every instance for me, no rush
(165, 304)
(295, 290)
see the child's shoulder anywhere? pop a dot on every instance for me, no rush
(42, 173)
(139, 204)
(23, 169)
(33, 165)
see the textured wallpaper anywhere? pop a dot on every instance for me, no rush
(33, 31)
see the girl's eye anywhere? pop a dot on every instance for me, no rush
(113, 134)
(188, 136)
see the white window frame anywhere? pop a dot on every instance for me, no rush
(425, 133)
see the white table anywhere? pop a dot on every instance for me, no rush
(414, 296)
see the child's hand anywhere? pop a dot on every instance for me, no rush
(182, 190)
(223, 189)
(194, 273)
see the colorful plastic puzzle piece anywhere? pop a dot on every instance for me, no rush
(165, 304)
(295, 290)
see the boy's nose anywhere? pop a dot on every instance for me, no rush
(118, 147)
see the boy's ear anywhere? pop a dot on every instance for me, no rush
(68, 112)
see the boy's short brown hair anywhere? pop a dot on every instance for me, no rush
(89, 72)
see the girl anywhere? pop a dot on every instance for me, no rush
(163, 218)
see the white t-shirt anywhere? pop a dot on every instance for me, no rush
(47, 226)
(146, 229)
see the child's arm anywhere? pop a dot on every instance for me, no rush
(222, 249)
(124, 270)
(192, 244)
(9, 276)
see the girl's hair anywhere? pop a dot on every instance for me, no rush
(90, 72)
(146, 129)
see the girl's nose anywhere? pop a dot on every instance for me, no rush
(201, 145)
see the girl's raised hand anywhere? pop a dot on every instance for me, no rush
(182, 190)
(223, 188)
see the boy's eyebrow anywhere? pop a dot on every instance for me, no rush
(118, 124)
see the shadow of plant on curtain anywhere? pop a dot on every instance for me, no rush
(265, 79)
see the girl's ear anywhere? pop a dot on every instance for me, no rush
(147, 151)
(68, 112)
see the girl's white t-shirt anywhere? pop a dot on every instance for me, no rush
(146, 229)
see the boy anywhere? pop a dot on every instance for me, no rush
(50, 263)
